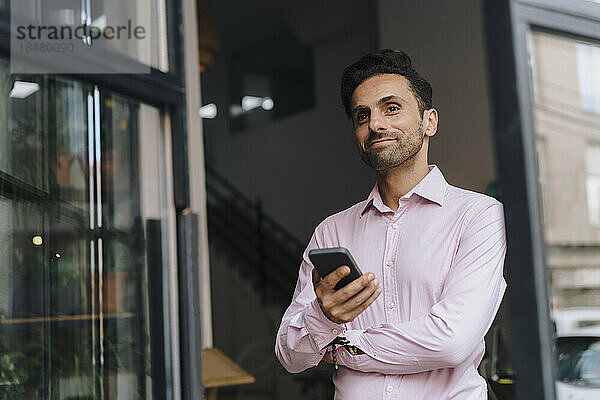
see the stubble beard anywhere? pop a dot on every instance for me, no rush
(405, 148)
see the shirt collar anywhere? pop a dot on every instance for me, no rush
(432, 187)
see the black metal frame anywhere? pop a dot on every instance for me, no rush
(189, 304)
(507, 23)
(165, 91)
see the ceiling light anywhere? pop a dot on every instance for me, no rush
(267, 103)
(251, 102)
(208, 111)
(22, 89)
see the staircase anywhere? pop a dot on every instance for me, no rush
(254, 268)
(239, 226)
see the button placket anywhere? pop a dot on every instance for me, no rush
(389, 273)
(391, 298)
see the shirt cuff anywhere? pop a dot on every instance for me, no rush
(321, 328)
(354, 337)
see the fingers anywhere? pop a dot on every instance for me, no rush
(334, 277)
(361, 296)
(353, 287)
(345, 304)
(363, 306)
(349, 309)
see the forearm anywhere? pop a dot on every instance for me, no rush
(442, 339)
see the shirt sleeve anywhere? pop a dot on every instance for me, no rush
(305, 331)
(455, 325)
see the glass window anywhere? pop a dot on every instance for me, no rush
(134, 28)
(269, 79)
(588, 61)
(592, 160)
(578, 360)
(567, 128)
(74, 299)
(147, 14)
(22, 146)
(542, 179)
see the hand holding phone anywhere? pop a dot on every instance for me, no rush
(349, 300)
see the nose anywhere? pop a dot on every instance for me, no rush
(377, 121)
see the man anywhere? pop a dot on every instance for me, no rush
(432, 254)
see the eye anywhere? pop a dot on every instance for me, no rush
(393, 107)
(361, 116)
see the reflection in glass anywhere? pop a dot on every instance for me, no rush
(73, 279)
(566, 78)
(21, 127)
(150, 46)
(579, 361)
(588, 61)
(592, 162)
(568, 142)
(150, 15)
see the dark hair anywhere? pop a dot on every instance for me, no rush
(384, 61)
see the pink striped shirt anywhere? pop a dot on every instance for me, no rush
(439, 260)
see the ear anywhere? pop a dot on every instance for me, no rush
(430, 122)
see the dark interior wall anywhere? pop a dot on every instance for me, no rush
(305, 166)
(445, 40)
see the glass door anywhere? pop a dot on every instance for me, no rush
(545, 76)
(82, 173)
(565, 77)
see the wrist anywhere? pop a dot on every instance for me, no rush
(328, 315)
(321, 328)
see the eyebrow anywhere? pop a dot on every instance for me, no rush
(379, 102)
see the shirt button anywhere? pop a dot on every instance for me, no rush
(394, 226)
(389, 264)
(390, 388)
(335, 331)
(391, 306)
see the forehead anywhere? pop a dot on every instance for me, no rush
(378, 86)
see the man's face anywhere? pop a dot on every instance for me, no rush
(387, 123)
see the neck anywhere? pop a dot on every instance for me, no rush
(395, 182)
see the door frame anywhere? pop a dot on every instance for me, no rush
(507, 23)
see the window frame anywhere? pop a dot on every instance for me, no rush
(507, 23)
(165, 91)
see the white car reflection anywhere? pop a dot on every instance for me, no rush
(577, 351)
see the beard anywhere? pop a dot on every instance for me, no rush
(404, 148)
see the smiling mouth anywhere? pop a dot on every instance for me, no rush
(380, 142)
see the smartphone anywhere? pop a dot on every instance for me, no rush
(327, 260)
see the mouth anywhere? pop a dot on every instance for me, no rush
(380, 142)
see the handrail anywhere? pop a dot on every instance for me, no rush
(253, 204)
(258, 242)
